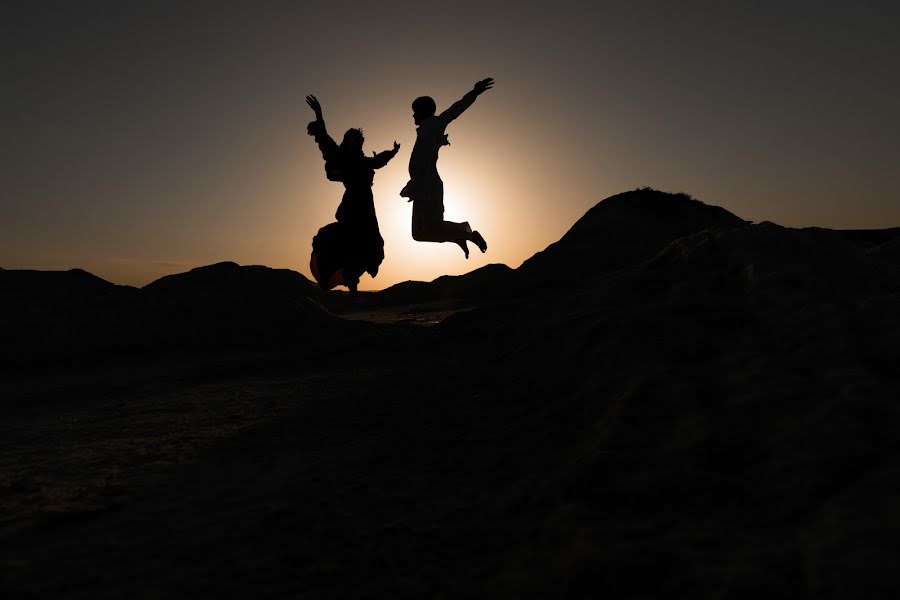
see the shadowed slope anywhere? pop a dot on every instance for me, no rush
(870, 238)
(889, 251)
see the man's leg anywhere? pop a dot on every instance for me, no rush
(428, 224)
(479, 241)
(426, 229)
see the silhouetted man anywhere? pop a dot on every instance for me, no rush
(425, 188)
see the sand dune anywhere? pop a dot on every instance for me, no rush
(669, 401)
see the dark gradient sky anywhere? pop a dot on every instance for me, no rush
(140, 139)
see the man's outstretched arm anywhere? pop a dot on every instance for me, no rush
(466, 101)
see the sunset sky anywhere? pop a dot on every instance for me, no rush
(146, 138)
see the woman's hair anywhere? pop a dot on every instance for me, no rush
(424, 106)
(353, 141)
(354, 132)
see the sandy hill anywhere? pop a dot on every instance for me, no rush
(622, 231)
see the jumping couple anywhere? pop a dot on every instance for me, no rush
(344, 250)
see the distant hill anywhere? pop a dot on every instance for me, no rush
(229, 278)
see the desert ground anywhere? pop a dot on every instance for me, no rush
(669, 401)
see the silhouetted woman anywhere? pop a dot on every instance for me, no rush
(343, 251)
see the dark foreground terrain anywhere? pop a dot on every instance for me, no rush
(668, 402)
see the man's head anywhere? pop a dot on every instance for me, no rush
(423, 108)
(353, 140)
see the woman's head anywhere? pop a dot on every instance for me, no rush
(353, 140)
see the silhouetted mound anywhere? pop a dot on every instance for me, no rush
(621, 231)
(56, 313)
(219, 307)
(230, 304)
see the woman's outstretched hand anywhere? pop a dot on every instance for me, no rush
(393, 152)
(313, 103)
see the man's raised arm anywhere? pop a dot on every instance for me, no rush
(458, 107)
